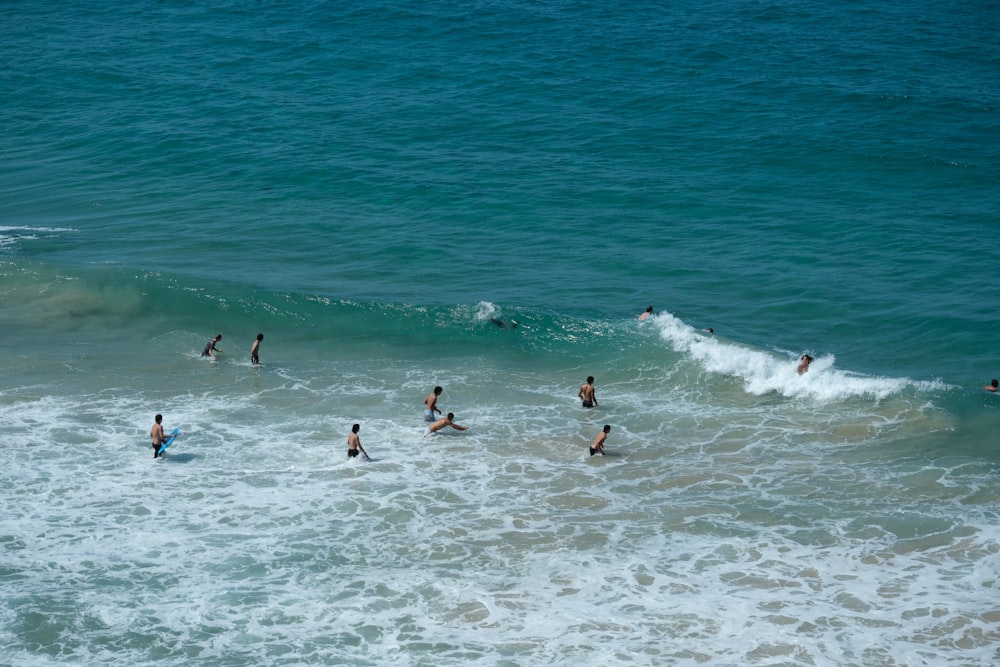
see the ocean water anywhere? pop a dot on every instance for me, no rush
(373, 186)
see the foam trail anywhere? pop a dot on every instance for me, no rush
(10, 235)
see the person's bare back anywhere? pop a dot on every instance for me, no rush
(156, 435)
(354, 443)
(587, 394)
(445, 421)
(597, 446)
(430, 404)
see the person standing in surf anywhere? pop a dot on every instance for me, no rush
(587, 393)
(430, 404)
(255, 350)
(210, 348)
(597, 446)
(354, 443)
(156, 435)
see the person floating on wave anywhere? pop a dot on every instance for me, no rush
(441, 423)
(597, 446)
(804, 362)
(210, 348)
(430, 404)
(503, 325)
(992, 386)
(649, 311)
(587, 393)
(156, 435)
(354, 443)
(255, 350)
(710, 330)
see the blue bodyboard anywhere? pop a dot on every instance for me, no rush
(169, 441)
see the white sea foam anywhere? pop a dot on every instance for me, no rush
(724, 532)
(11, 235)
(765, 372)
(484, 311)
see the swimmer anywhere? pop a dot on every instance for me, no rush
(156, 435)
(430, 404)
(804, 362)
(992, 386)
(354, 443)
(210, 348)
(649, 311)
(441, 423)
(586, 393)
(597, 446)
(255, 349)
(710, 330)
(503, 325)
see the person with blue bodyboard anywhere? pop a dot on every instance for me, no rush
(157, 436)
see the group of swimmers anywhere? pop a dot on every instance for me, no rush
(211, 348)
(354, 447)
(435, 424)
(587, 395)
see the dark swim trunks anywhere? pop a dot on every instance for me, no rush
(588, 404)
(595, 451)
(352, 453)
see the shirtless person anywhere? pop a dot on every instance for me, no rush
(441, 423)
(804, 363)
(597, 446)
(586, 393)
(210, 348)
(649, 311)
(354, 443)
(255, 350)
(156, 435)
(430, 404)
(992, 386)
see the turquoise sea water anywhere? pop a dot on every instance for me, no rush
(369, 185)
